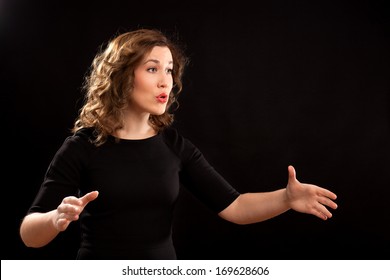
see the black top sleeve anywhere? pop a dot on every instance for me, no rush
(199, 177)
(63, 175)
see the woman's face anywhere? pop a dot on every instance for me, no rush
(152, 82)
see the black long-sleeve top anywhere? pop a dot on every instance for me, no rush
(138, 183)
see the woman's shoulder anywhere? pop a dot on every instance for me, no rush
(173, 136)
(170, 132)
(76, 145)
(179, 143)
(85, 133)
(82, 137)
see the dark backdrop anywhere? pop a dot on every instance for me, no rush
(270, 84)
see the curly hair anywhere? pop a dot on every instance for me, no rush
(110, 79)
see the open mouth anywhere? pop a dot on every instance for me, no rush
(162, 98)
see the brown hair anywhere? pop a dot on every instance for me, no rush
(110, 80)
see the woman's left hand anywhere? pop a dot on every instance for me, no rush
(308, 198)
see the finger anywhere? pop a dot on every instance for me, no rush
(325, 212)
(327, 193)
(70, 217)
(291, 173)
(72, 200)
(62, 224)
(89, 197)
(69, 209)
(324, 215)
(331, 195)
(320, 215)
(328, 202)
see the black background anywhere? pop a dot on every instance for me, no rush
(270, 83)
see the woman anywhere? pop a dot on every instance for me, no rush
(120, 171)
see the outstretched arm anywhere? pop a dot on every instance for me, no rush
(38, 229)
(251, 208)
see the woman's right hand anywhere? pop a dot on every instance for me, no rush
(70, 209)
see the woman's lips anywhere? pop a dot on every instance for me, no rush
(162, 98)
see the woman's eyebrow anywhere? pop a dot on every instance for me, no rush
(156, 61)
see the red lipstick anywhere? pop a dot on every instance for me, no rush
(162, 98)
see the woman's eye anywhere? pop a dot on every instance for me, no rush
(169, 71)
(152, 69)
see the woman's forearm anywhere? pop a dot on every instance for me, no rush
(251, 208)
(37, 229)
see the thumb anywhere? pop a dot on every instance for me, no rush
(291, 174)
(89, 197)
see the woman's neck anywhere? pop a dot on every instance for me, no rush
(136, 128)
(135, 134)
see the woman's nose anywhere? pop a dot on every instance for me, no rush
(164, 82)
